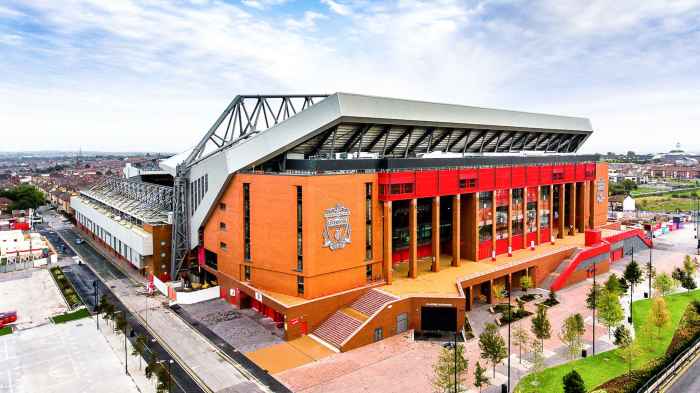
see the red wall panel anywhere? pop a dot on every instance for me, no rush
(533, 175)
(590, 171)
(487, 180)
(502, 246)
(532, 237)
(580, 172)
(467, 175)
(485, 248)
(426, 184)
(503, 177)
(557, 174)
(517, 177)
(544, 235)
(546, 174)
(517, 243)
(569, 172)
(448, 180)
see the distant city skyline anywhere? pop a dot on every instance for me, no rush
(132, 76)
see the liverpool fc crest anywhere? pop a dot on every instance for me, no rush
(336, 231)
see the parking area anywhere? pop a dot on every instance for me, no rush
(66, 358)
(33, 294)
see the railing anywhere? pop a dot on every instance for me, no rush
(577, 260)
(658, 382)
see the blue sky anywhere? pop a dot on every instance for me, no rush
(153, 75)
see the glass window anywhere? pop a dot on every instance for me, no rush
(300, 255)
(300, 285)
(378, 334)
(246, 221)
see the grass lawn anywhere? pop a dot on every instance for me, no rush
(5, 330)
(71, 316)
(600, 368)
(665, 204)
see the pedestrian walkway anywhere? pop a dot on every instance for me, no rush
(203, 359)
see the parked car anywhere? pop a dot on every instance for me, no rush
(7, 318)
(79, 241)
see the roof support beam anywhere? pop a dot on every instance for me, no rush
(428, 131)
(378, 138)
(398, 141)
(451, 145)
(316, 149)
(486, 142)
(437, 141)
(471, 143)
(356, 136)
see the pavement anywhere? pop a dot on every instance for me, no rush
(33, 294)
(66, 358)
(687, 382)
(196, 355)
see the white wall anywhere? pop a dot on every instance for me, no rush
(140, 241)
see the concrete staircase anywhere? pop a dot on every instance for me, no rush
(547, 283)
(372, 301)
(342, 324)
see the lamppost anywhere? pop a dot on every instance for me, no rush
(97, 305)
(510, 317)
(595, 305)
(651, 240)
(453, 346)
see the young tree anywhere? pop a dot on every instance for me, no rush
(480, 377)
(541, 327)
(552, 297)
(537, 360)
(633, 275)
(593, 293)
(151, 365)
(623, 339)
(689, 266)
(573, 383)
(659, 314)
(522, 339)
(571, 334)
(444, 368)
(649, 272)
(499, 292)
(664, 284)
(526, 283)
(492, 346)
(609, 309)
(684, 279)
(139, 347)
(613, 284)
(120, 323)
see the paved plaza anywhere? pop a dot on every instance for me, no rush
(383, 366)
(33, 294)
(67, 358)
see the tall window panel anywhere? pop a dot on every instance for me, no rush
(246, 221)
(368, 221)
(300, 255)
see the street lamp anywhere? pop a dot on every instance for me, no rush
(595, 305)
(126, 364)
(453, 346)
(97, 305)
(170, 373)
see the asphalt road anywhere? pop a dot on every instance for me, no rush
(688, 382)
(83, 278)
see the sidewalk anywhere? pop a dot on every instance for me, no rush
(199, 355)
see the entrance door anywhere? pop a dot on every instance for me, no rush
(401, 323)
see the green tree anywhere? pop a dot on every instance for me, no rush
(480, 377)
(689, 266)
(492, 346)
(139, 347)
(444, 368)
(571, 334)
(664, 284)
(24, 196)
(151, 365)
(633, 275)
(537, 360)
(682, 277)
(120, 322)
(613, 284)
(522, 339)
(623, 339)
(609, 309)
(526, 283)
(659, 315)
(573, 383)
(541, 327)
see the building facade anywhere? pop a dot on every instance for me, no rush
(361, 217)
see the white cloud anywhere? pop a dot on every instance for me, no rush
(308, 22)
(6, 12)
(160, 73)
(338, 8)
(262, 4)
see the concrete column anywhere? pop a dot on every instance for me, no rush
(539, 214)
(436, 234)
(456, 233)
(585, 218)
(387, 241)
(413, 239)
(562, 202)
(490, 294)
(510, 218)
(572, 208)
(470, 227)
(525, 229)
(493, 220)
(551, 211)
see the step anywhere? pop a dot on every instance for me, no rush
(337, 328)
(371, 302)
